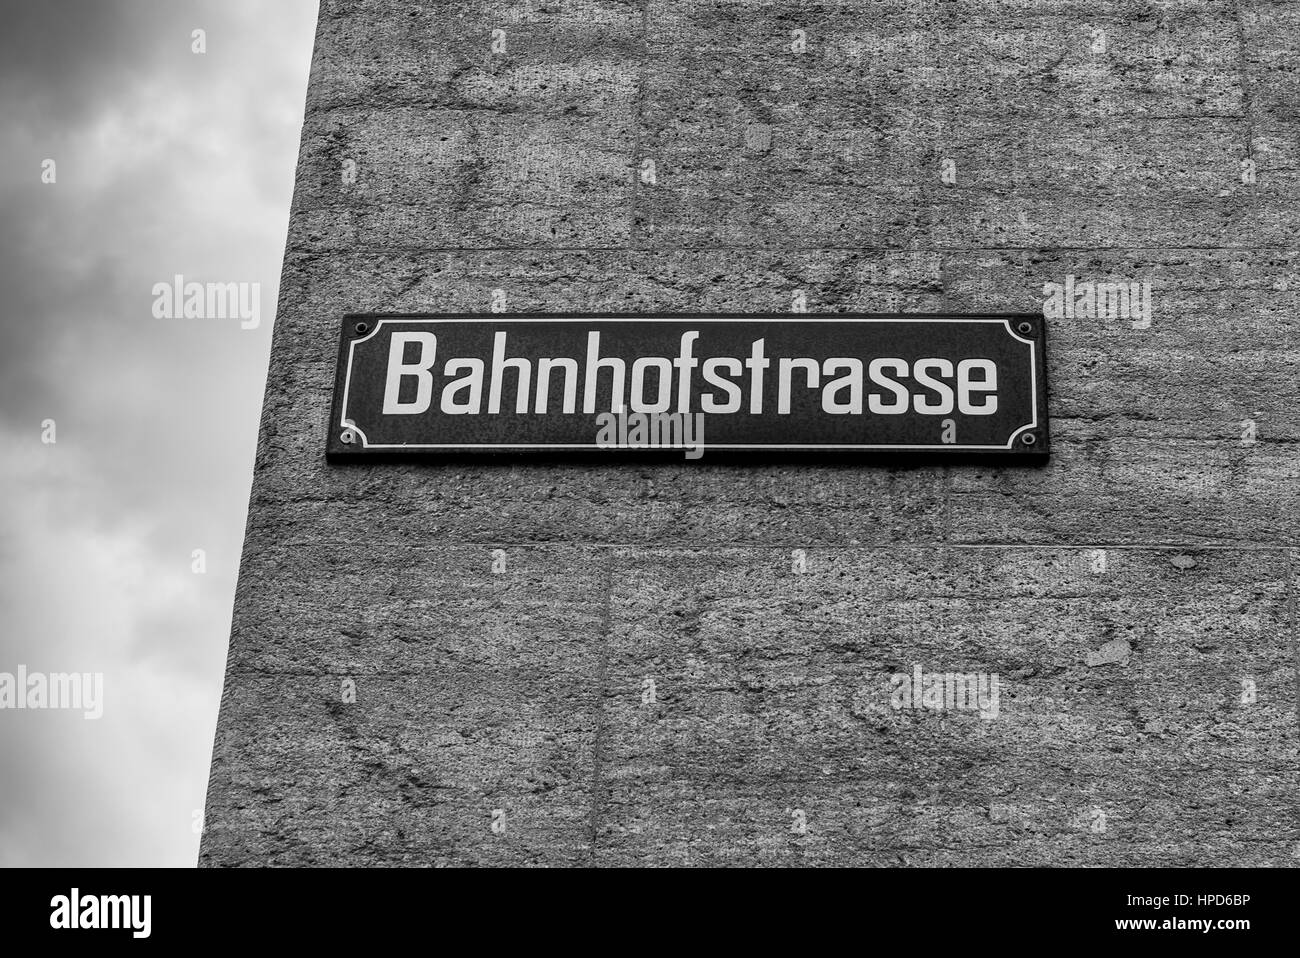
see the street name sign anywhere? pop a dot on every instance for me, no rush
(513, 383)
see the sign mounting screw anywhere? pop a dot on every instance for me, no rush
(348, 436)
(362, 328)
(1025, 328)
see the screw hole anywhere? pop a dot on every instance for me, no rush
(1025, 328)
(362, 328)
(348, 436)
(1029, 439)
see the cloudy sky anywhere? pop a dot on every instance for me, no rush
(166, 162)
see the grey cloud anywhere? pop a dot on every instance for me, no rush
(167, 163)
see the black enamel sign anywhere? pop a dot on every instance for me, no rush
(437, 384)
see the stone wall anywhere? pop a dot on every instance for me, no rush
(689, 663)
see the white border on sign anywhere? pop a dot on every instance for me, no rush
(345, 423)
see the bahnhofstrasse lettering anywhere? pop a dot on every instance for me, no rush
(930, 386)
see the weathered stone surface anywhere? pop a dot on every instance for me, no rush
(691, 662)
(521, 613)
(772, 696)
(410, 773)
